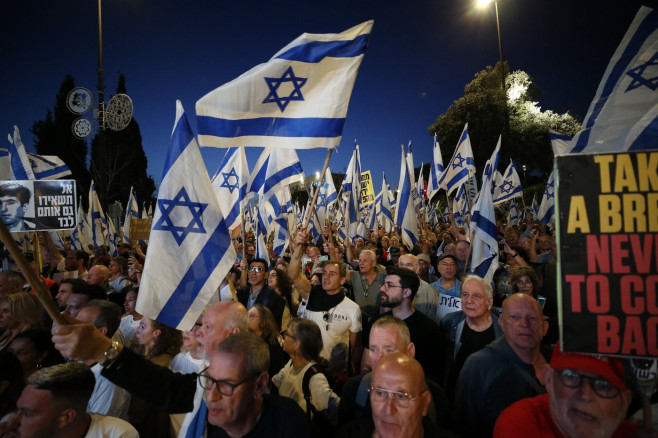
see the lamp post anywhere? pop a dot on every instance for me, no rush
(101, 85)
(483, 4)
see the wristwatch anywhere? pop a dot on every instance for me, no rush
(111, 353)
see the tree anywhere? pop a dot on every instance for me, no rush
(53, 136)
(491, 111)
(118, 162)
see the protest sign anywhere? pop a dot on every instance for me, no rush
(367, 190)
(608, 240)
(447, 304)
(140, 229)
(35, 205)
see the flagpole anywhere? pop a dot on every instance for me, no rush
(315, 211)
(307, 219)
(242, 234)
(39, 288)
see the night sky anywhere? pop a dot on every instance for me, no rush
(421, 55)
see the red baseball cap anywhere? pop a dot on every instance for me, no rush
(609, 368)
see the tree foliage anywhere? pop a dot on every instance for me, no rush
(513, 112)
(53, 136)
(118, 162)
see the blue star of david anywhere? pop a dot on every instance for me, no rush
(166, 222)
(229, 177)
(295, 94)
(321, 198)
(507, 187)
(638, 78)
(458, 161)
(549, 190)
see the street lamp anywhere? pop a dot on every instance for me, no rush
(484, 4)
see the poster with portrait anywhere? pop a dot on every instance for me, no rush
(38, 205)
(607, 222)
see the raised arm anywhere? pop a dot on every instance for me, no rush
(295, 267)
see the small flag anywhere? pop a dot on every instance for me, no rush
(132, 212)
(483, 223)
(460, 166)
(436, 171)
(230, 184)
(406, 217)
(509, 187)
(546, 211)
(21, 169)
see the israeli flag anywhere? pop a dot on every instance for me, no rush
(282, 206)
(509, 187)
(483, 223)
(352, 193)
(327, 197)
(97, 221)
(385, 216)
(535, 207)
(514, 214)
(420, 185)
(410, 165)
(624, 113)
(546, 211)
(297, 100)
(261, 233)
(560, 143)
(461, 164)
(283, 169)
(21, 169)
(48, 166)
(190, 248)
(436, 171)
(406, 217)
(230, 184)
(132, 212)
(460, 207)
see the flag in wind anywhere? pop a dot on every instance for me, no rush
(230, 184)
(460, 166)
(483, 223)
(190, 248)
(352, 192)
(405, 214)
(97, 220)
(547, 207)
(509, 187)
(624, 113)
(132, 211)
(436, 171)
(48, 166)
(385, 217)
(560, 143)
(21, 169)
(298, 99)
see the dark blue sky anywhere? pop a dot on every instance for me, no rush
(421, 55)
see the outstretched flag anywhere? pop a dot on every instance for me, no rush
(230, 184)
(190, 248)
(20, 163)
(483, 223)
(406, 217)
(624, 113)
(460, 166)
(298, 99)
(547, 206)
(436, 171)
(509, 187)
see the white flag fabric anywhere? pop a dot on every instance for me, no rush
(483, 223)
(48, 166)
(436, 171)
(283, 169)
(21, 169)
(412, 176)
(406, 217)
(534, 209)
(132, 211)
(230, 184)
(385, 215)
(352, 192)
(461, 164)
(509, 187)
(326, 198)
(97, 220)
(560, 143)
(297, 100)
(190, 248)
(547, 207)
(624, 113)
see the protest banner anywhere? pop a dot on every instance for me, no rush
(447, 304)
(140, 229)
(367, 190)
(607, 245)
(38, 205)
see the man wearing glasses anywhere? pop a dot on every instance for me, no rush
(258, 292)
(399, 400)
(587, 396)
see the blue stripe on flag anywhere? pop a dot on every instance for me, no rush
(650, 132)
(50, 172)
(273, 180)
(485, 224)
(271, 126)
(315, 51)
(180, 138)
(644, 30)
(196, 276)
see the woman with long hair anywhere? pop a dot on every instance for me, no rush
(262, 323)
(280, 281)
(118, 277)
(18, 312)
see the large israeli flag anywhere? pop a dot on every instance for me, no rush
(406, 217)
(460, 166)
(483, 223)
(624, 113)
(230, 184)
(190, 248)
(297, 100)
(436, 171)
(48, 166)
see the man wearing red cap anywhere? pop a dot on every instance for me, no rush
(587, 397)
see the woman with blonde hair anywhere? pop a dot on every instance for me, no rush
(18, 312)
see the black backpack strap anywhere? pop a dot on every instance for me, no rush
(306, 389)
(362, 392)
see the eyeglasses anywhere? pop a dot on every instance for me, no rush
(223, 387)
(256, 269)
(600, 386)
(388, 285)
(402, 399)
(285, 333)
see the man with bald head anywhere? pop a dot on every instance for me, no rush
(168, 391)
(505, 371)
(400, 401)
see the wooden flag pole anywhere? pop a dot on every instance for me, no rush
(40, 290)
(307, 217)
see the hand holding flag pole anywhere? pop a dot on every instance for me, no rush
(39, 288)
(307, 219)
